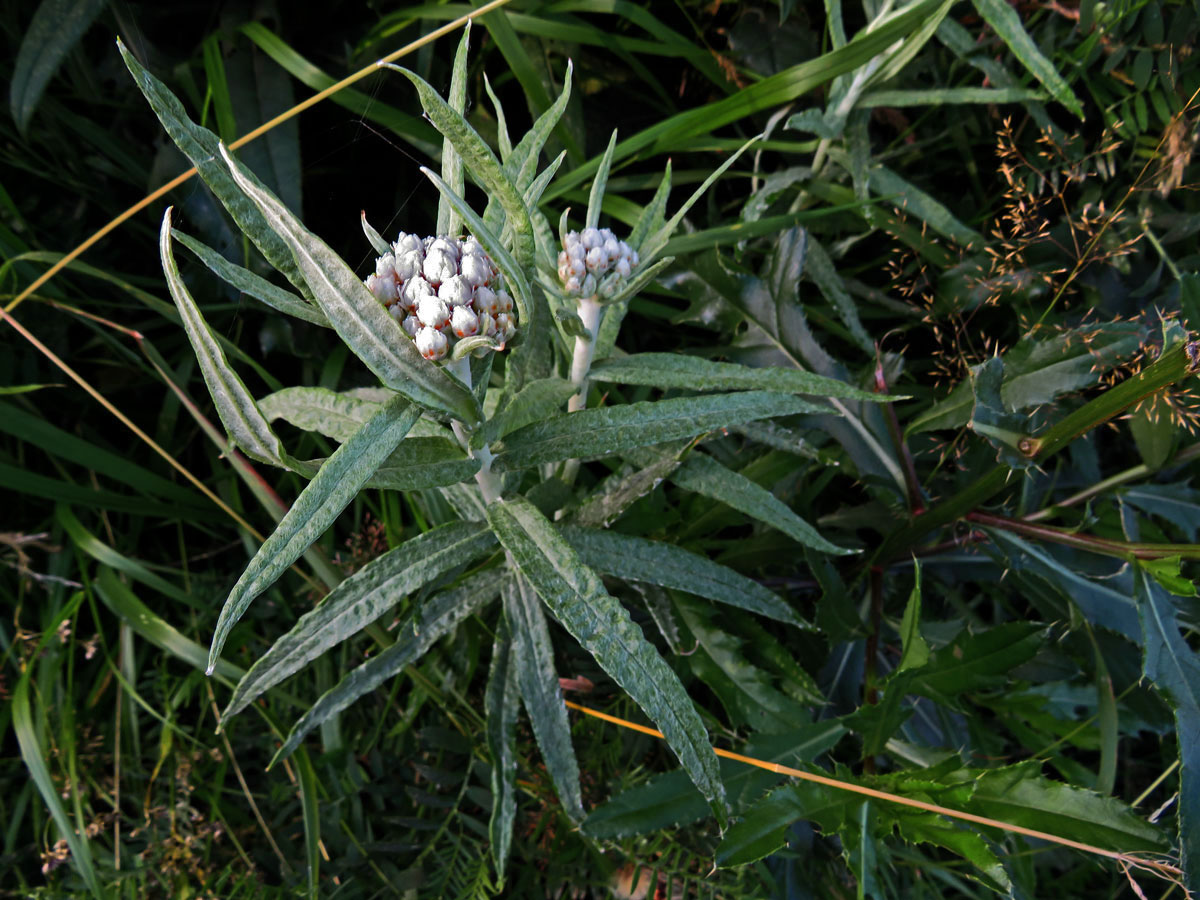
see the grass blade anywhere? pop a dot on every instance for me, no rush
(56, 28)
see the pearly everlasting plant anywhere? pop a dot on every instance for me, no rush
(484, 337)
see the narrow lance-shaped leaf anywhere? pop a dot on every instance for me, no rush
(414, 636)
(334, 486)
(236, 407)
(361, 599)
(538, 681)
(479, 158)
(249, 283)
(502, 703)
(523, 161)
(56, 28)
(666, 565)
(201, 147)
(707, 477)
(596, 197)
(375, 239)
(1006, 22)
(362, 322)
(452, 167)
(576, 597)
(594, 433)
(513, 273)
(674, 370)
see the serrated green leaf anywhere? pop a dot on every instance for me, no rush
(577, 599)
(54, 31)
(705, 476)
(595, 433)
(674, 370)
(1021, 796)
(670, 800)
(481, 162)
(652, 562)
(333, 487)
(1174, 669)
(914, 650)
(1006, 22)
(538, 681)
(761, 831)
(1037, 372)
(249, 283)
(240, 415)
(974, 661)
(360, 600)
(419, 631)
(359, 319)
(202, 147)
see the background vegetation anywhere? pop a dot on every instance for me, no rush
(985, 208)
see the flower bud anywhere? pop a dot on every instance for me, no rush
(463, 322)
(408, 243)
(431, 343)
(412, 292)
(411, 325)
(455, 291)
(409, 264)
(440, 265)
(485, 301)
(383, 287)
(623, 266)
(505, 327)
(487, 325)
(590, 238)
(432, 312)
(597, 260)
(475, 269)
(504, 303)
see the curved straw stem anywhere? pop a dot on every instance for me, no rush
(1158, 867)
(247, 138)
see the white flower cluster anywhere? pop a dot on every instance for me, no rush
(586, 257)
(440, 289)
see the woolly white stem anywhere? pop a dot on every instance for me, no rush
(589, 311)
(489, 484)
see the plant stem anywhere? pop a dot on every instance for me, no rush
(912, 484)
(581, 363)
(489, 485)
(1121, 549)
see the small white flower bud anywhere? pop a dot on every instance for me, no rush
(504, 303)
(485, 301)
(446, 245)
(623, 267)
(431, 343)
(397, 311)
(410, 263)
(463, 322)
(505, 327)
(588, 287)
(407, 243)
(385, 264)
(572, 285)
(597, 260)
(487, 325)
(633, 258)
(612, 248)
(383, 287)
(578, 268)
(411, 325)
(590, 238)
(414, 289)
(440, 265)
(476, 269)
(455, 291)
(432, 312)
(470, 245)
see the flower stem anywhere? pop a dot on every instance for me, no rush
(489, 485)
(589, 311)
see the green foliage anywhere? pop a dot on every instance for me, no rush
(878, 464)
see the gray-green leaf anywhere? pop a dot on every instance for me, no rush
(576, 597)
(334, 486)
